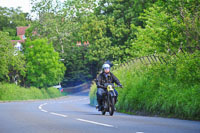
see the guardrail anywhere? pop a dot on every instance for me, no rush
(77, 88)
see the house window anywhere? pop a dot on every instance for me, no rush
(23, 37)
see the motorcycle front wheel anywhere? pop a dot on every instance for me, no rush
(112, 106)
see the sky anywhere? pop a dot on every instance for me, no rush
(25, 4)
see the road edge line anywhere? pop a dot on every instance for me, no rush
(58, 114)
(93, 122)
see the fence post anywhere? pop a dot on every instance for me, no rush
(152, 58)
(160, 59)
(146, 63)
(155, 58)
(149, 59)
(141, 60)
(163, 60)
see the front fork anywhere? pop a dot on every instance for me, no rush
(110, 96)
(108, 99)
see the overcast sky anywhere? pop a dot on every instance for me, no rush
(25, 4)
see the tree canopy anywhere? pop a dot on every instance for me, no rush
(12, 63)
(10, 18)
(86, 33)
(44, 67)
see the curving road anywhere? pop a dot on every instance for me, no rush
(73, 114)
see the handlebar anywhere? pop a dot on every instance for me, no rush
(114, 86)
(117, 86)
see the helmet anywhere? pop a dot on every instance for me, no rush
(106, 66)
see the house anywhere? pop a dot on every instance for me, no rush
(21, 33)
(18, 46)
(84, 44)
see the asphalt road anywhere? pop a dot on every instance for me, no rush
(73, 114)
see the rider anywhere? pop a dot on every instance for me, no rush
(105, 77)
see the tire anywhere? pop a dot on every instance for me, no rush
(112, 106)
(103, 112)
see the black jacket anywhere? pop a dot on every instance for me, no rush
(102, 80)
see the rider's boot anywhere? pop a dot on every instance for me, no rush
(99, 105)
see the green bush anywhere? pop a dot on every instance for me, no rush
(15, 38)
(93, 91)
(9, 92)
(170, 90)
(44, 67)
(52, 92)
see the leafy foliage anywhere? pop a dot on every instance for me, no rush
(12, 63)
(11, 18)
(159, 35)
(119, 15)
(10, 92)
(6, 50)
(168, 26)
(170, 90)
(116, 30)
(103, 25)
(168, 95)
(43, 65)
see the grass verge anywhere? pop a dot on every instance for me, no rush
(169, 90)
(10, 92)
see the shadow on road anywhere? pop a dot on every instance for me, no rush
(94, 114)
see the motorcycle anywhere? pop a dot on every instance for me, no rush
(109, 100)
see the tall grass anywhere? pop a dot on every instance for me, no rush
(93, 97)
(171, 90)
(9, 92)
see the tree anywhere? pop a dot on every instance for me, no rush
(44, 67)
(62, 27)
(100, 48)
(186, 12)
(12, 65)
(6, 51)
(159, 34)
(119, 15)
(11, 18)
(166, 29)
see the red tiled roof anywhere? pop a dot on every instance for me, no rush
(85, 43)
(21, 30)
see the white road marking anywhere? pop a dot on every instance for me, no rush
(44, 111)
(40, 108)
(58, 114)
(139, 132)
(93, 122)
